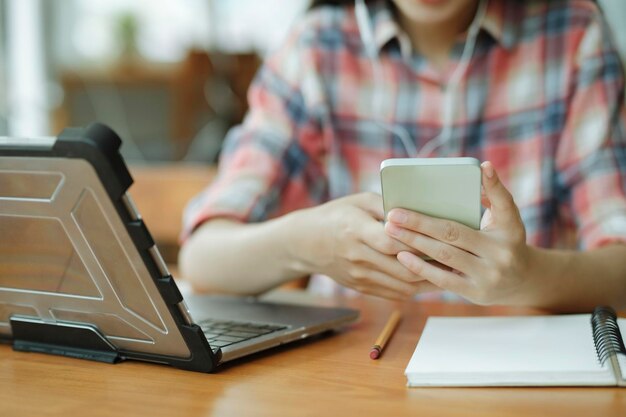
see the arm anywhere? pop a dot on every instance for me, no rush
(272, 185)
(573, 281)
(343, 239)
(225, 255)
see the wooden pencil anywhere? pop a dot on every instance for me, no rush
(385, 335)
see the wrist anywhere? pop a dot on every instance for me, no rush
(300, 243)
(541, 276)
(531, 274)
(522, 274)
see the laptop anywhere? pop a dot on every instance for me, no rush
(80, 275)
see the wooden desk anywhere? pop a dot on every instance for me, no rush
(331, 376)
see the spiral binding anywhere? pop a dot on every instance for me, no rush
(606, 334)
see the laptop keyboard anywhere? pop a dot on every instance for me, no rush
(221, 333)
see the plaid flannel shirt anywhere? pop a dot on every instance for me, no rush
(542, 99)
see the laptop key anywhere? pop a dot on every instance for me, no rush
(246, 334)
(275, 328)
(224, 333)
(219, 344)
(252, 325)
(212, 330)
(225, 338)
(247, 330)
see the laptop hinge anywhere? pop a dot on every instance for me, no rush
(76, 340)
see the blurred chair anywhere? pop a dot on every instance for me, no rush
(160, 110)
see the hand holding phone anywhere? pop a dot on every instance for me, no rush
(492, 265)
(446, 188)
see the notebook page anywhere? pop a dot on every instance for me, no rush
(473, 346)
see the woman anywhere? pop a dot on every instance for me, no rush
(539, 96)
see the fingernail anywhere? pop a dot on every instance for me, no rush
(488, 169)
(394, 230)
(405, 258)
(398, 216)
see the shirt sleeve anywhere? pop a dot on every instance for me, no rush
(591, 155)
(273, 163)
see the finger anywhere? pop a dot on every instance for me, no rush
(425, 286)
(384, 286)
(447, 231)
(386, 281)
(371, 203)
(436, 264)
(374, 288)
(441, 252)
(487, 220)
(446, 280)
(373, 235)
(483, 198)
(387, 264)
(502, 205)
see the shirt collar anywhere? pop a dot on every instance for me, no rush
(386, 28)
(502, 22)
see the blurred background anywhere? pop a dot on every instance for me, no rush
(170, 76)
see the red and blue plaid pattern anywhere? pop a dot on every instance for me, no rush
(542, 99)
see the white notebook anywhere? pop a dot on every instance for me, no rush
(519, 351)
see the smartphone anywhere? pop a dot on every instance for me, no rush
(446, 188)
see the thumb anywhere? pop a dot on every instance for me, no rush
(486, 222)
(371, 203)
(501, 204)
(483, 198)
